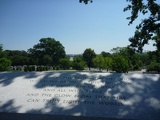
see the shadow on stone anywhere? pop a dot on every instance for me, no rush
(95, 96)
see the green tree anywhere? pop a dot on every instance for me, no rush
(47, 48)
(136, 62)
(16, 53)
(152, 55)
(116, 50)
(132, 57)
(17, 57)
(1, 47)
(33, 60)
(105, 54)
(99, 62)
(148, 29)
(144, 57)
(88, 56)
(65, 63)
(108, 63)
(154, 67)
(4, 64)
(19, 60)
(126, 52)
(78, 63)
(47, 60)
(120, 64)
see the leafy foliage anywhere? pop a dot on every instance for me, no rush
(128, 54)
(1, 47)
(120, 64)
(154, 67)
(88, 56)
(105, 54)
(29, 68)
(99, 62)
(48, 51)
(149, 28)
(108, 63)
(78, 63)
(136, 62)
(85, 1)
(47, 60)
(4, 64)
(17, 57)
(65, 63)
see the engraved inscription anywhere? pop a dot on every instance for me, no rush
(65, 90)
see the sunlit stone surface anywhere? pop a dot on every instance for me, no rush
(106, 95)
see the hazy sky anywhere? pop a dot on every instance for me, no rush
(100, 25)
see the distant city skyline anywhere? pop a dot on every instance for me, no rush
(100, 25)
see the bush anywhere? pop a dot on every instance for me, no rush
(99, 62)
(29, 68)
(26, 68)
(136, 67)
(120, 64)
(153, 67)
(54, 68)
(65, 63)
(57, 68)
(40, 68)
(46, 68)
(4, 64)
(78, 63)
(32, 68)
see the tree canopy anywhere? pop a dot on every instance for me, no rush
(18, 57)
(120, 64)
(88, 56)
(1, 47)
(4, 64)
(78, 63)
(121, 59)
(65, 63)
(85, 1)
(105, 54)
(47, 50)
(149, 28)
(99, 62)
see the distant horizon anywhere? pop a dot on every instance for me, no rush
(101, 25)
(144, 51)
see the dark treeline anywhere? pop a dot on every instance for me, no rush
(50, 54)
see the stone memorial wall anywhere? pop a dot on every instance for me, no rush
(105, 95)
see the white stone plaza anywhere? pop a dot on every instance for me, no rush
(134, 96)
